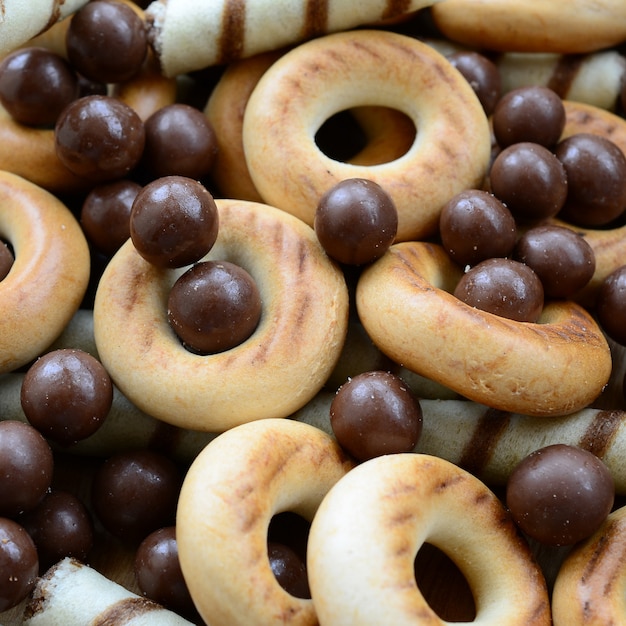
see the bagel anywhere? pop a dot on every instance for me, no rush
(229, 495)
(368, 529)
(49, 277)
(590, 585)
(295, 346)
(450, 153)
(554, 367)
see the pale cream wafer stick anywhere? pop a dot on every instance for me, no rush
(213, 32)
(74, 594)
(490, 443)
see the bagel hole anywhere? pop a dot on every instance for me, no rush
(291, 531)
(343, 137)
(443, 585)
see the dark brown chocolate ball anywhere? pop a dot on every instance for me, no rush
(530, 180)
(61, 526)
(174, 221)
(562, 259)
(106, 41)
(135, 493)
(611, 305)
(26, 467)
(180, 141)
(158, 573)
(375, 413)
(289, 569)
(66, 395)
(36, 85)
(560, 494)
(19, 565)
(356, 221)
(214, 306)
(105, 214)
(503, 287)
(6, 260)
(533, 114)
(482, 74)
(99, 138)
(596, 177)
(474, 225)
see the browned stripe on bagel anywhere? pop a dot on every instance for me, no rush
(395, 8)
(125, 610)
(564, 73)
(315, 18)
(230, 45)
(601, 431)
(480, 447)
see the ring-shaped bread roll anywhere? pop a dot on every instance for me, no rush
(295, 346)
(590, 587)
(553, 367)
(370, 526)
(49, 276)
(338, 72)
(231, 492)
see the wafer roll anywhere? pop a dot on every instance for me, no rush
(73, 594)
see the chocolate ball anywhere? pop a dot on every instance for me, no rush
(174, 221)
(19, 565)
(375, 413)
(214, 306)
(503, 287)
(289, 569)
(482, 74)
(560, 494)
(66, 395)
(6, 260)
(611, 305)
(356, 221)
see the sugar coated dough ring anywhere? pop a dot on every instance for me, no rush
(553, 367)
(590, 586)
(50, 273)
(366, 534)
(337, 72)
(229, 495)
(295, 346)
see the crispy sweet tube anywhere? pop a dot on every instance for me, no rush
(73, 594)
(229, 495)
(279, 368)
(368, 529)
(554, 367)
(450, 153)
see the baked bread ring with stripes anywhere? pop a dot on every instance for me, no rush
(554, 367)
(231, 492)
(370, 526)
(312, 82)
(48, 279)
(294, 347)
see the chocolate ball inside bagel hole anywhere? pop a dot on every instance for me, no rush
(6, 260)
(214, 306)
(560, 494)
(504, 287)
(611, 305)
(174, 221)
(482, 74)
(356, 221)
(375, 413)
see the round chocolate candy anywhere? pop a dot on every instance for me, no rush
(289, 569)
(560, 494)
(180, 141)
(105, 214)
(503, 287)
(26, 467)
(375, 413)
(66, 395)
(611, 305)
(6, 260)
(174, 221)
(356, 221)
(36, 85)
(530, 181)
(474, 226)
(19, 564)
(106, 41)
(99, 138)
(482, 74)
(562, 259)
(535, 114)
(214, 306)
(135, 493)
(596, 179)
